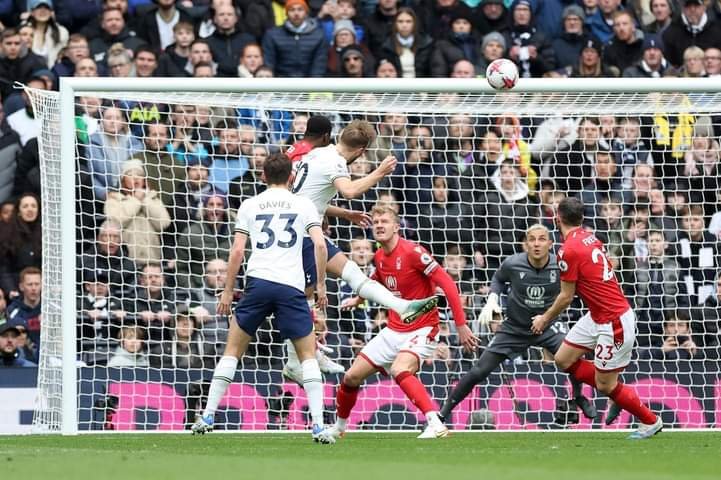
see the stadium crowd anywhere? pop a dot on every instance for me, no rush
(158, 184)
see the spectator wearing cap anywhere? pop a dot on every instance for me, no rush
(227, 40)
(156, 25)
(652, 63)
(626, 46)
(344, 35)
(204, 240)
(493, 47)
(113, 30)
(407, 46)
(17, 63)
(529, 48)
(10, 354)
(459, 44)
(493, 17)
(600, 24)
(140, 211)
(590, 64)
(49, 37)
(354, 63)
(379, 24)
(692, 28)
(101, 313)
(663, 12)
(298, 47)
(570, 42)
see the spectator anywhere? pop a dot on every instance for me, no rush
(691, 28)
(16, 63)
(626, 46)
(707, 318)
(663, 13)
(463, 69)
(7, 210)
(227, 160)
(251, 183)
(699, 256)
(392, 137)
(631, 149)
(456, 264)
(677, 344)
(141, 213)
(101, 314)
(658, 288)
(251, 59)
(642, 183)
(407, 46)
(186, 349)
(20, 241)
(445, 220)
(298, 48)
(494, 17)
(187, 202)
(227, 41)
(571, 166)
(590, 65)
(335, 11)
(658, 215)
(213, 327)
(119, 61)
(110, 147)
(529, 48)
(508, 128)
(460, 44)
(652, 63)
(49, 36)
(204, 240)
(76, 14)
(185, 138)
(353, 63)
(75, 50)
(692, 62)
(26, 308)
(131, 351)
(9, 151)
(145, 62)
(603, 184)
(113, 30)
(600, 24)
(436, 16)
(712, 62)
(344, 35)
(380, 24)
(702, 169)
(203, 70)
(568, 45)
(10, 354)
(156, 26)
(86, 67)
(27, 174)
(173, 60)
(163, 173)
(493, 47)
(154, 303)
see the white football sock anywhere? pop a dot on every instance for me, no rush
(341, 423)
(313, 386)
(292, 355)
(222, 377)
(370, 289)
(433, 419)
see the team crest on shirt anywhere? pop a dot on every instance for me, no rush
(398, 263)
(552, 276)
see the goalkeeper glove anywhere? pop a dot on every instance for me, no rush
(489, 309)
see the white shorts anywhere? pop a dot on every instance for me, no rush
(612, 343)
(383, 349)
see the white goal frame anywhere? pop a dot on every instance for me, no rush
(70, 87)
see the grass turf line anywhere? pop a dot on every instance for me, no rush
(556, 456)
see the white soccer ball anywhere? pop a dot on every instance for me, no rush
(502, 74)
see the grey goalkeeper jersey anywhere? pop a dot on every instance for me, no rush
(530, 291)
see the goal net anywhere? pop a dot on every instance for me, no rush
(147, 191)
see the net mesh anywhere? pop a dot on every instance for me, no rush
(159, 176)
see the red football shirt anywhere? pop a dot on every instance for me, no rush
(296, 151)
(405, 272)
(582, 259)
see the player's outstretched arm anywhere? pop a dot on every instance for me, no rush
(350, 189)
(361, 219)
(235, 260)
(321, 259)
(441, 278)
(493, 304)
(563, 300)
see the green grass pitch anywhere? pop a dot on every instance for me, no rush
(364, 456)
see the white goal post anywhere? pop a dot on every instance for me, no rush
(548, 115)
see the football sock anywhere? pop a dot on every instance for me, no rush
(222, 377)
(433, 419)
(370, 289)
(344, 401)
(583, 371)
(313, 386)
(415, 391)
(478, 373)
(626, 398)
(292, 355)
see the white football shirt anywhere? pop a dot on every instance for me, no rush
(276, 221)
(315, 174)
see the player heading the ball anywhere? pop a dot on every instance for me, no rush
(275, 221)
(608, 328)
(399, 348)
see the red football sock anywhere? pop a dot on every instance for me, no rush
(583, 371)
(626, 398)
(415, 391)
(345, 400)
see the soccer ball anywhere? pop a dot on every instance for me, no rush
(502, 74)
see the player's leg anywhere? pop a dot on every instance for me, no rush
(627, 399)
(569, 356)
(312, 379)
(237, 345)
(483, 367)
(409, 310)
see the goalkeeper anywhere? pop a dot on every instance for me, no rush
(532, 281)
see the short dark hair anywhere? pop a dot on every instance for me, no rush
(277, 169)
(148, 49)
(318, 126)
(570, 210)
